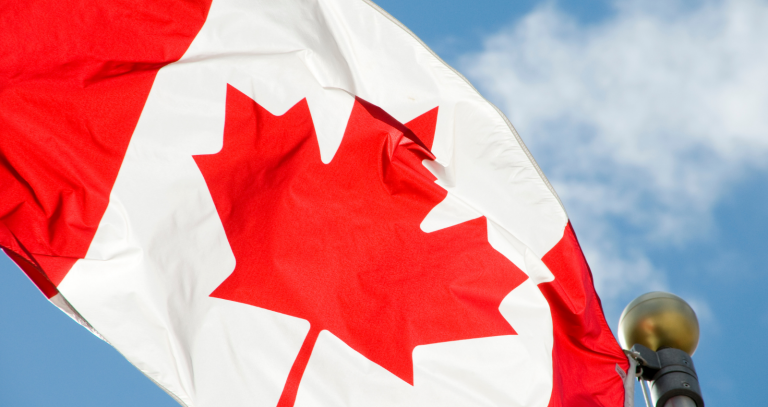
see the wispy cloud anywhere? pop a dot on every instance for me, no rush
(641, 121)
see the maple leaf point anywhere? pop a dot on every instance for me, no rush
(340, 244)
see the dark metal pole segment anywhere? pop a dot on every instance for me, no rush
(673, 378)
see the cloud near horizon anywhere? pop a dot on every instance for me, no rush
(641, 121)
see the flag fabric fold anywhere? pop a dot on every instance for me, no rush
(289, 203)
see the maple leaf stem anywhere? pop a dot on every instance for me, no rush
(288, 397)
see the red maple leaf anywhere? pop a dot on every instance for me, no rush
(340, 244)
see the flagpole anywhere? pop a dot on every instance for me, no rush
(661, 332)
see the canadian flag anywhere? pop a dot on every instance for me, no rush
(289, 203)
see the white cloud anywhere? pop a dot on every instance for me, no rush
(641, 121)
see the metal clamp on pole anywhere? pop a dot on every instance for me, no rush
(671, 374)
(663, 333)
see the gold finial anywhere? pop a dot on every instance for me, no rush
(659, 320)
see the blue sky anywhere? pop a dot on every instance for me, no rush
(648, 117)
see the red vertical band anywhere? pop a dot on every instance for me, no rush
(74, 81)
(585, 351)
